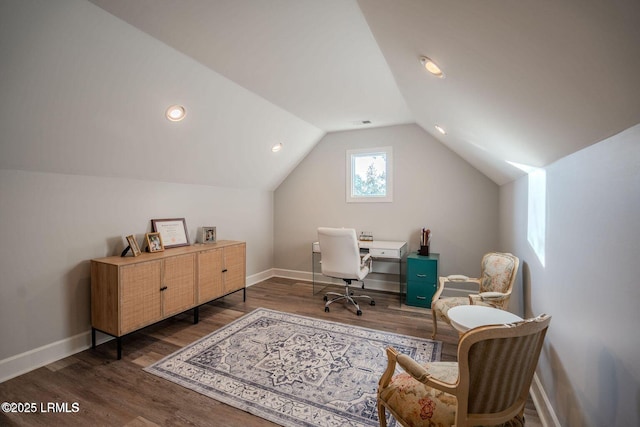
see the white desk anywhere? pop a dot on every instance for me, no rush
(377, 248)
(465, 317)
(380, 250)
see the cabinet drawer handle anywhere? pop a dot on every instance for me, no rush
(419, 297)
(164, 288)
(224, 271)
(421, 275)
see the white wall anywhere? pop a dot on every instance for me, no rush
(433, 187)
(590, 365)
(53, 224)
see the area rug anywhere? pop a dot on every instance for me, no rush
(292, 370)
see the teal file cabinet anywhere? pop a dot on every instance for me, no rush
(422, 279)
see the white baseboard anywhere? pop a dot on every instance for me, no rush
(28, 361)
(259, 277)
(543, 406)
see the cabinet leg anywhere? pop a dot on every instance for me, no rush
(244, 294)
(196, 315)
(93, 337)
(119, 343)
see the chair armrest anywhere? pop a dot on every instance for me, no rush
(365, 259)
(493, 298)
(419, 373)
(385, 379)
(443, 280)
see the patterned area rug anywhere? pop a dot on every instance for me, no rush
(292, 370)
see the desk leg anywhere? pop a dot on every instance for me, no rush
(313, 271)
(402, 279)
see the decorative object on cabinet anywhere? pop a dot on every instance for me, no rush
(173, 231)
(425, 241)
(208, 235)
(154, 242)
(497, 275)
(133, 245)
(488, 385)
(422, 279)
(128, 294)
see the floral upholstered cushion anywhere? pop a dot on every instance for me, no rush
(420, 405)
(443, 305)
(497, 270)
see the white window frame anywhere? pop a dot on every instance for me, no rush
(351, 154)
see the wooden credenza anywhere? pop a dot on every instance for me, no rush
(129, 293)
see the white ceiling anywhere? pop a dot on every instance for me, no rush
(526, 81)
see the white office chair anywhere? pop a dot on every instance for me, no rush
(341, 259)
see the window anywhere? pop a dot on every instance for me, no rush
(370, 175)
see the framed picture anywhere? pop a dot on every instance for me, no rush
(208, 235)
(133, 244)
(173, 231)
(154, 242)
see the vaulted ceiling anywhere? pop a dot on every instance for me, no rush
(525, 81)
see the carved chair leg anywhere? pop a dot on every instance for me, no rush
(382, 416)
(435, 324)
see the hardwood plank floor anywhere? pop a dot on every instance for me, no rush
(110, 392)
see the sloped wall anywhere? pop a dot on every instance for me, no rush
(589, 281)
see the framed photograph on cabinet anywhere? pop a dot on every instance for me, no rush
(208, 235)
(154, 242)
(173, 231)
(133, 244)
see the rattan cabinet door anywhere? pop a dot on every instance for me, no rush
(139, 295)
(178, 292)
(210, 265)
(234, 268)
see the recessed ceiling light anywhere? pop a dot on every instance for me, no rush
(175, 113)
(441, 129)
(277, 147)
(431, 67)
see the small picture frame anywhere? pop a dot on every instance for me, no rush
(208, 235)
(154, 242)
(133, 244)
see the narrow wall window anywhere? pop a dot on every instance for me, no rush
(370, 175)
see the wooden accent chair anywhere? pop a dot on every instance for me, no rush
(489, 384)
(498, 274)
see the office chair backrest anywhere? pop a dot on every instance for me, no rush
(340, 253)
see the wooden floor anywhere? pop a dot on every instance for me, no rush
(111, 392)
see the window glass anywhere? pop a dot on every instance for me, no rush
(369, 175)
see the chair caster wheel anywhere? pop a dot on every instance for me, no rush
(373, 302)
(326, 309)
(359, 312)
(326, 298)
